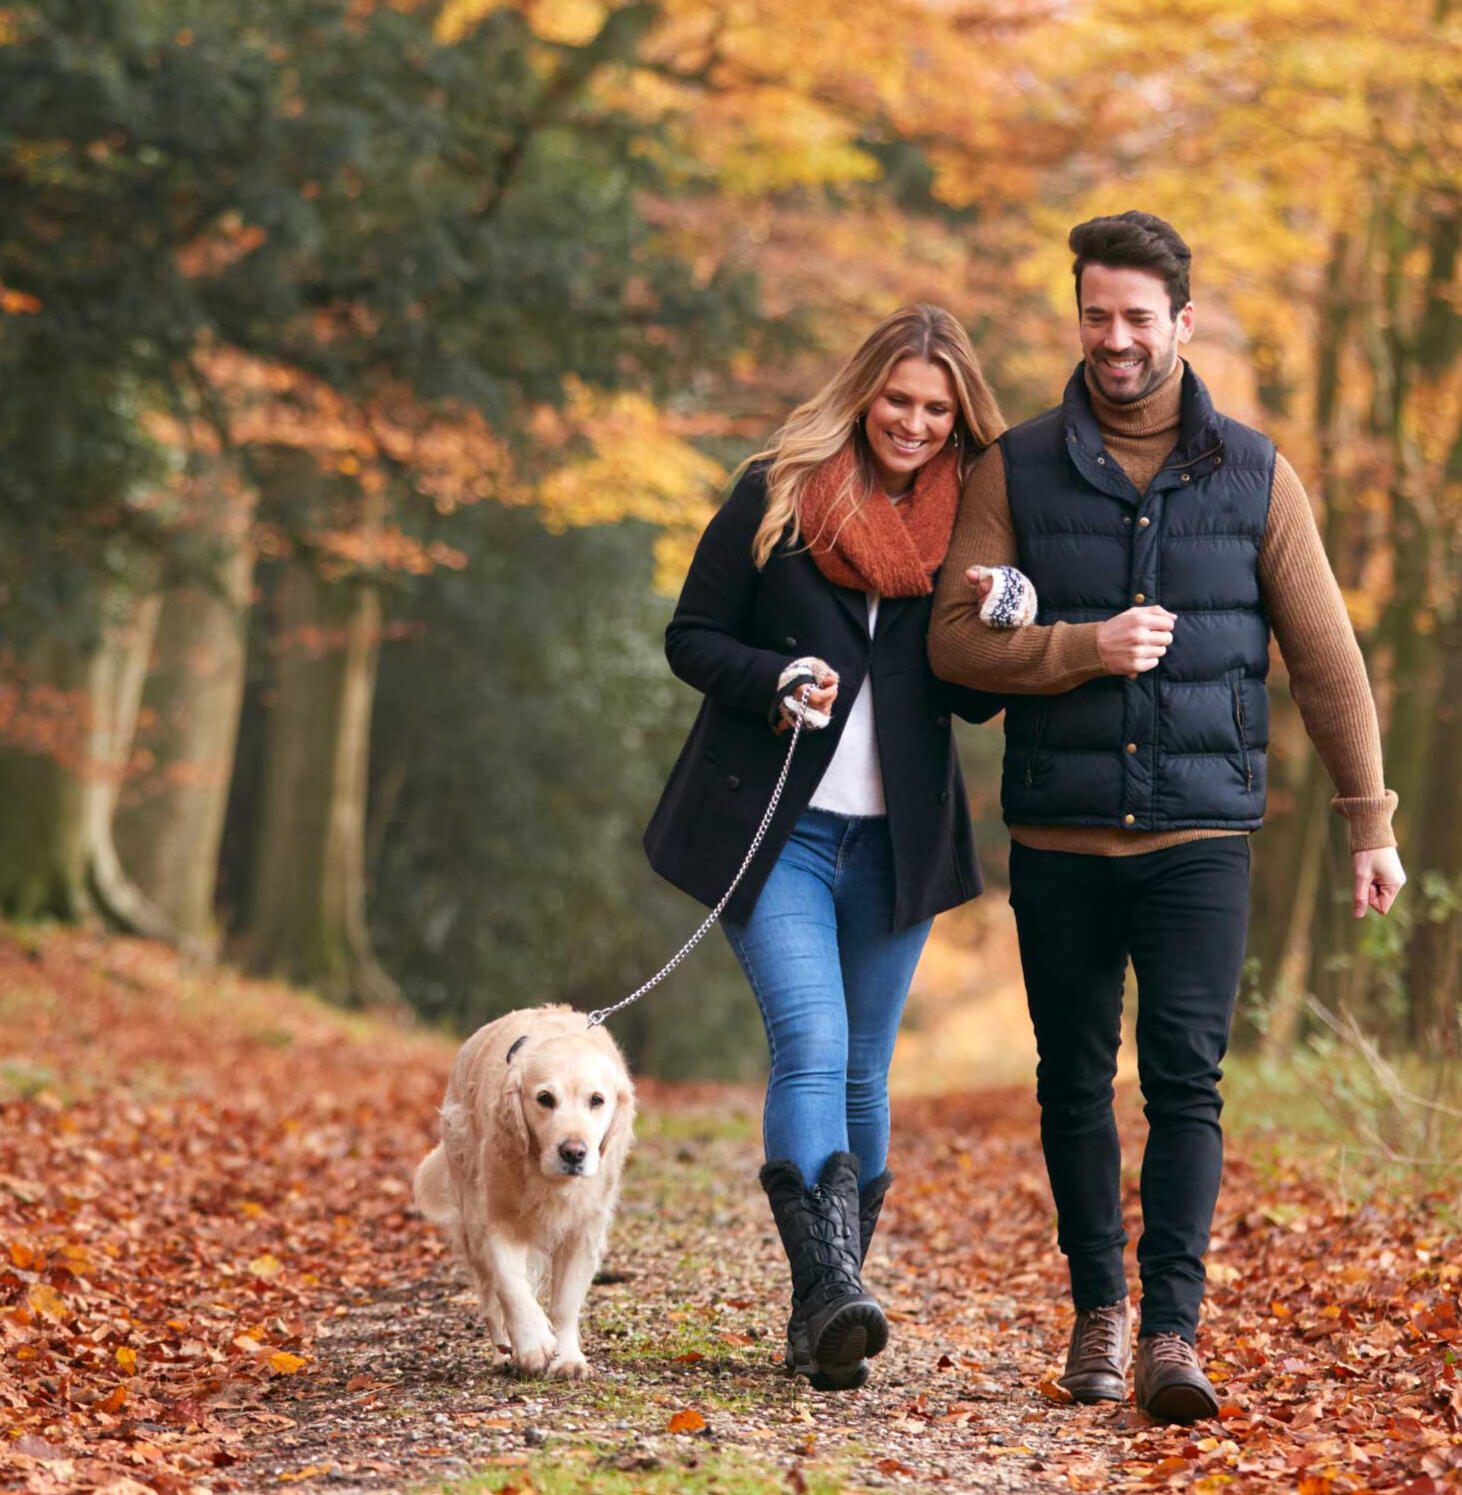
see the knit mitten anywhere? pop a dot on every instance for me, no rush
(800, 672)
(1012, 599)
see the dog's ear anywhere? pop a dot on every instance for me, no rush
(510, 1119)
(616, 1144)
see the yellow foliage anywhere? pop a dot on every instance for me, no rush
(1364, 609)
(635, 468)
(569, 22)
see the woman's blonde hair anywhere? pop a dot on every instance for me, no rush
(819, 428)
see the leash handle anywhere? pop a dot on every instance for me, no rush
(601, 1013)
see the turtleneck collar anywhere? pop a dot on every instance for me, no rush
(1159, 410)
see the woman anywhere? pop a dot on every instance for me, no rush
(817, 571)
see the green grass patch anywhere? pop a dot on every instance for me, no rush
(638, 1472)
(665, 1125)
(21, 1080)
(1373, 1125)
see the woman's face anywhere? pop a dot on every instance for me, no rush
(909, 421)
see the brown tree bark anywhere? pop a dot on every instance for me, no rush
(307, 918)
(67, 743)
(169, 825)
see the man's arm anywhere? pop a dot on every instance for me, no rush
(1327, 678)
(1038, 660)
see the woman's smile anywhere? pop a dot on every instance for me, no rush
(909, 421)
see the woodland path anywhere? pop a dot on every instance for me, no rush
(211, 1281)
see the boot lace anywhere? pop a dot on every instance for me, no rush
(1101, 1332)
(1171, 1349)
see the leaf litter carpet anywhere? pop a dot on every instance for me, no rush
(211, 1280)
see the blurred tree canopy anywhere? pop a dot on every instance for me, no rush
(369, 369)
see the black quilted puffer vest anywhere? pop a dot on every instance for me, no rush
(1182, 745)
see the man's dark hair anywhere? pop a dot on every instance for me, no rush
(1136, 241)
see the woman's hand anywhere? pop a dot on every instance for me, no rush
(820, 695)
(1006, 597)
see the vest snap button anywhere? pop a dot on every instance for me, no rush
(1218, 461)
(732, 782)
(1101, 461)
(1139, 596)
(1129, 820)
(1131, 747)
(1126, 519)
(1143, 522)
(944, 796)
(1186, 476)
(791, 642)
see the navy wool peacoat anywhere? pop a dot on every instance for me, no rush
(734, 631)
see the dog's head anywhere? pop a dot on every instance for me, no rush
(571, 1105)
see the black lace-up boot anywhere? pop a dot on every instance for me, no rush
(799, 1355)
(834, 1322)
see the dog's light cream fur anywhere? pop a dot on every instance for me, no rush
(500, 1185)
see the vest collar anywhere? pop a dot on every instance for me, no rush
(1198, 451)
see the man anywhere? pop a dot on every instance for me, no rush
(1165, 541)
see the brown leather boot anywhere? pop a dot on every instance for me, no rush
(1099, 1354)
(1171, 1386)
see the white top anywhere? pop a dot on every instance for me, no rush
(853, 783)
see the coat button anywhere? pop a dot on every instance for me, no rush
(1143, 522)
(941, 721)
(1131, 747)
(791, 642)
(1139, 596)
(732, 782)
(1129, 820)
(1218, 461)
(944, 796)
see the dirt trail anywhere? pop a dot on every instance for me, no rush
(211, 1281)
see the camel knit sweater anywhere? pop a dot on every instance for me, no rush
(1300, 594)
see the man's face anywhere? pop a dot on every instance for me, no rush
(1129, 336)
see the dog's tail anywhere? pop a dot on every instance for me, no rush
(434, 1188)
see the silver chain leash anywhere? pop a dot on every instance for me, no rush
(600, 1013)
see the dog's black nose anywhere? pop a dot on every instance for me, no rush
(573, 1153)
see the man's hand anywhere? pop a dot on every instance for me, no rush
(1135, 640)
(1378, 879)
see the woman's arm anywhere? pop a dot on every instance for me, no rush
(1044, 659)
(704, 639)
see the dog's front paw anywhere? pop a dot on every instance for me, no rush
(533, 1359)
(571, 1368)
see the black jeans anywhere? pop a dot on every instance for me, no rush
(1181, 915)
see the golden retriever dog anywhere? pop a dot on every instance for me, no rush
(536, 1126)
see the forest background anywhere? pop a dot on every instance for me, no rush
(367, 371)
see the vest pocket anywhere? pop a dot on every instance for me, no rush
(1030, 762)
(1241, 721)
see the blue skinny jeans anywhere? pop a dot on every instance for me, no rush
(830, 977)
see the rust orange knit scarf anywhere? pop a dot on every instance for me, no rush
(891, 549)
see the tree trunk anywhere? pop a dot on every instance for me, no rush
(170, 823)
(68, 740)
(308, 906)
(1286, 955)
(1434, 959)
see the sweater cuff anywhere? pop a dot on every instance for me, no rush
(1370, 820)
(1088, 652)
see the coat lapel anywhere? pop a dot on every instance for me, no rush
(855, 604)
